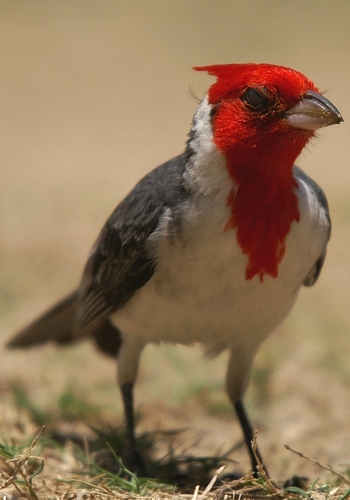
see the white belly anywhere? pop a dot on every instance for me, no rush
(199, 292)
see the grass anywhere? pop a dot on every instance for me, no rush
(69, 405)
(26, 472)
(56, 462)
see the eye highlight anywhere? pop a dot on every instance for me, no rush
(256, 98)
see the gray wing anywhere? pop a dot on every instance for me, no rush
(315, 270)
(119, 263)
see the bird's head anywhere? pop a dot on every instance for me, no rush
(264, 112)
(262, 116)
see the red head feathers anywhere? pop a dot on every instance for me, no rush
(231, 78)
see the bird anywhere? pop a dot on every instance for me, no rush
(211, 247)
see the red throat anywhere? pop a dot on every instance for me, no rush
(263, 202)
(262, 211)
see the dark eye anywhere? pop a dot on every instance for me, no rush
(256, 99)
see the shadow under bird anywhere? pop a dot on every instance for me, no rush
(213, 246)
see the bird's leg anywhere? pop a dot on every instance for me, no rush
(128, 361)
(248, 433)
(237, 379)
(133, 457)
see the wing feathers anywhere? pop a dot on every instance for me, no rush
(120, 262)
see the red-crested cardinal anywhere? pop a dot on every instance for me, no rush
(214, 245)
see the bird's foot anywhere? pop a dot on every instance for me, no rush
(301, 482)
(135, 463)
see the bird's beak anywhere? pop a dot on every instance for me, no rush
(312, 112)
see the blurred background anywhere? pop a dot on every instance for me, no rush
(92, 96)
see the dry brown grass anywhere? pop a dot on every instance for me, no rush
(59, 473)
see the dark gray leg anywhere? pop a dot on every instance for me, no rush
(133, 457)
(248, 435)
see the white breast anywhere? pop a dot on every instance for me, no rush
(199, 292)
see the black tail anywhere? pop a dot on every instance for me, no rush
(57, 325)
